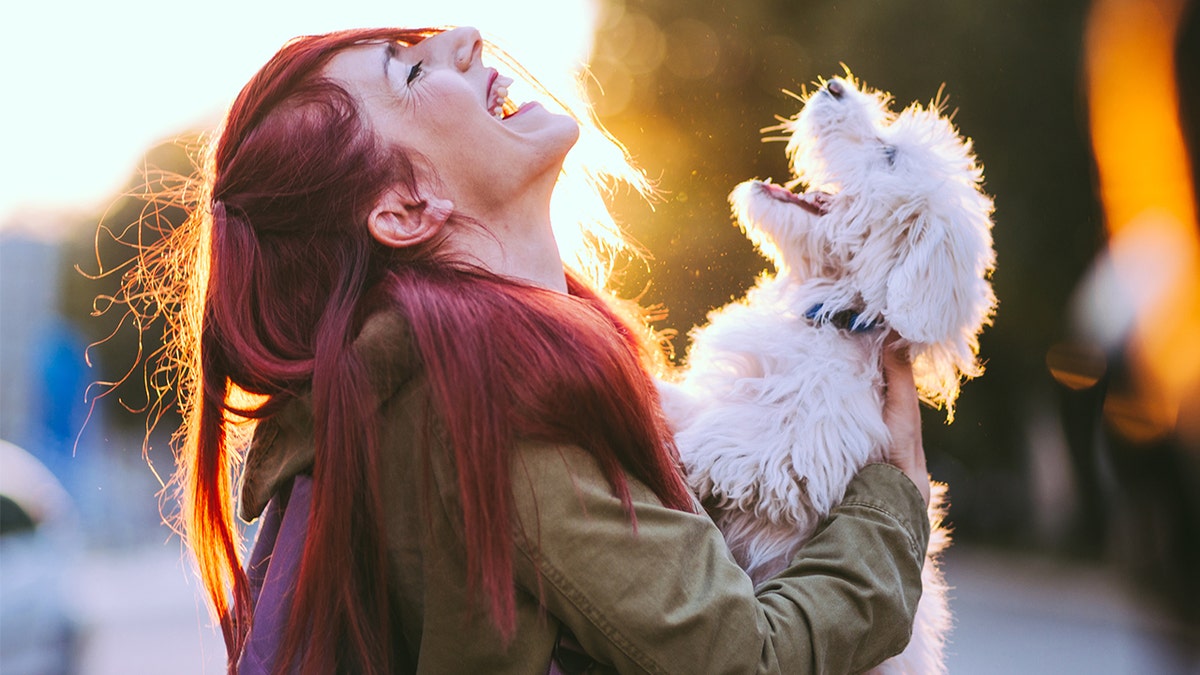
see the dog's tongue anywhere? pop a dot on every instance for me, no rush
(813, 203)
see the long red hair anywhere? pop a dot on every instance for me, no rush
(288, 274)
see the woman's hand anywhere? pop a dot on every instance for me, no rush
(902, 414)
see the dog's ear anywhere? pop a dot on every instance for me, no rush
(925, 288)
(939, 296)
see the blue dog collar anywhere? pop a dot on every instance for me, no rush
(847, 319)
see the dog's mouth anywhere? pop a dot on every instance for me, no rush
(815, 202)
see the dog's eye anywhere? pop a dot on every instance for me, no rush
(889, 152)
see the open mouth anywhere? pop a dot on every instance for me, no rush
(815, 202)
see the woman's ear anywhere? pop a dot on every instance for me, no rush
(399, 221)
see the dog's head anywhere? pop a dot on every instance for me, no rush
(891, 222)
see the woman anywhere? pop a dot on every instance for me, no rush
(468, 432)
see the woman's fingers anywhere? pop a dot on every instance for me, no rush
(902, 414)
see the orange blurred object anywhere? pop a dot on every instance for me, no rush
(1146, 189)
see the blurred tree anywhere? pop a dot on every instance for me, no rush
(101, 255)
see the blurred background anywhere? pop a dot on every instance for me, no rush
(1073, 463)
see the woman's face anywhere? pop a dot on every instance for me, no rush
(436, 98)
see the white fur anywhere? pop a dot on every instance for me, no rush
(776, 412)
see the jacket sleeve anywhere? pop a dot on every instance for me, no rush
(663, 595)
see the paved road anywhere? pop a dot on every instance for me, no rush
(1021, 615)
(143, 615)
(1013, 615)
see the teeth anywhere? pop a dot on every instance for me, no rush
(499, 95)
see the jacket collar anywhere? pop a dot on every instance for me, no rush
(282, 445)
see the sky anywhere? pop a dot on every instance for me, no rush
(88, 86)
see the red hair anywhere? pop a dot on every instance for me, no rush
(291, 274)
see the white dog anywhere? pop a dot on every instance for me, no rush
(781, 400)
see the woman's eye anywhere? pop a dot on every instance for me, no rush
(414, 72)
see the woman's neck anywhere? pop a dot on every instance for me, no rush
(517, 242)
(516, 238)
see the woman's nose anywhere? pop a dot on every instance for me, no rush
(465, 44)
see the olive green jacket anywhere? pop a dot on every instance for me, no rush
(662, 597)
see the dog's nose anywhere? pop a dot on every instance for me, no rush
(835, 88)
